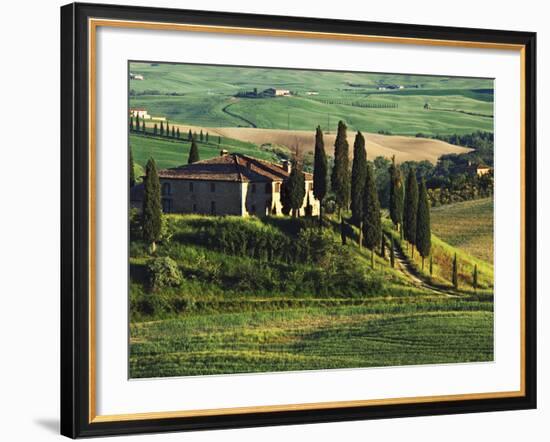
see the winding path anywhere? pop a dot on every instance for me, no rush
(403, 263)
(224, 109)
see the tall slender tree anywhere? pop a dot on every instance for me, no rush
(155, 129)
(320, 171)
(392, 253)
(455, 272)
(189, 136)
(131, 172)
(296, 188)
(152, 211)
(372, 225)
(474, 277)
(137, 122)
(207, 137)
(178, 133)
(131, 123)
(201, 137)
(396, 195)
(161, 128)
(358, 178)
(340, 178)
(143, 127)
(410, 208)
(193, 153)
(167, 129)
(423, 229)
(174, 132)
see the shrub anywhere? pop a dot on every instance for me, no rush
(163, 272)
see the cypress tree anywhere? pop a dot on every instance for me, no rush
(320, 171)
(410, 208)
(155, 129)
(131, 123)
(137, 122)
(455, 273)
(174, 132)
(143, 127)
(193, 153)
(392, 253)
(152, 212)
(372, 225)
(423, 228)
(207, 137)
(219, 140)
(285, 200)
(396, 194)
(296, 188)
(474, 277)
(358, 177)
(201, 136)
(431, 265)
(178, 133)
(383, 248)
(131, 172)
(167, 129)
(340, 178)
(189, 136)
(161, 128)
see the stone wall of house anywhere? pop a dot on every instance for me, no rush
(227, 198)
(278, 207)
(204, 197)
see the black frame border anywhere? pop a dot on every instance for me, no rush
(75, 220)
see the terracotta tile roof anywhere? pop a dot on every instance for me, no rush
(230, 167)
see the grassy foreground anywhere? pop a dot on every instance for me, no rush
(244, 306)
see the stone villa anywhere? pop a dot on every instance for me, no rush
(230, 184)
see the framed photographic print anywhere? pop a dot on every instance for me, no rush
(279, 220)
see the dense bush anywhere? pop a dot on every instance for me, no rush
(163, 272)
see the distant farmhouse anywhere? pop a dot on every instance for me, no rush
(478, 169)
(230, 184)
(136, 76)
(144, 115)
(277, 92)
(140, 112)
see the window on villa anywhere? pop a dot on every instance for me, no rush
(212, 187)
(213, 208)
(194, 208)
(166, 189)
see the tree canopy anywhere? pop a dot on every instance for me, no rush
(410, 207)
(340, 178)
(152, 210)
(193, 153)
(358, 177)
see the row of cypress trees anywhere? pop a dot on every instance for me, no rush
(140, 126)
(410, 210)
(354, 188)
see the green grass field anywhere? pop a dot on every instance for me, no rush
(205, 97)
(172, 152)
(315, 338)
(237, 311)
(467, 225)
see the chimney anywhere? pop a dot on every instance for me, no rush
(287, 166)
(223, 153)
